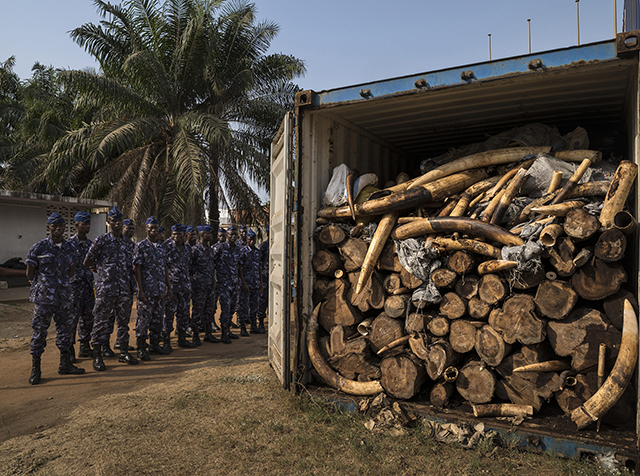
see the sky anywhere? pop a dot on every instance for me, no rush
(345, 42)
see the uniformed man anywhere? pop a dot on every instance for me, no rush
(154, 288)
(202, 287)
(242, 236)
(250, 284)
(111, 257)
(50, 262)
(222, 238)
(241, 242)
(225, 260)
(191, 236)
(129, 229)
(222, 235)
(179, 264)
(122, 332)
(263, 300)
(161, 237)
(82, 294)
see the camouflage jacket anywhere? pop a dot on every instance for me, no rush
(202, 271)
(113, 258)
(51, 279)
(179, 264)
(249, 261)
(82, 275)
(264, 260)
(225, 260)
(152, 259)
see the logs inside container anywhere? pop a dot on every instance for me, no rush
(476, 296)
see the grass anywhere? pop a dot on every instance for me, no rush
(236, 419)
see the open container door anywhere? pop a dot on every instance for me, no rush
(280, 239)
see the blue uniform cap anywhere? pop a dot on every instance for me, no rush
(190, 229)
(242, 227)
(55, 219)
(115, 213)
(207, 228)
(221, 230)
(251, 234)
(161, 229)
(83, 217)
(151, 221)
(231, 228)
(127, 222)
(179, 227)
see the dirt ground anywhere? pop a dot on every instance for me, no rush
(25, 409)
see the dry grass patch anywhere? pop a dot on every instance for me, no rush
(232, 417)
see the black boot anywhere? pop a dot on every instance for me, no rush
(183, 342)
(225, 334)
(66, 367)
(231, 334)
(243, 330)
(208, 336)
(156, 348)
(107, 352)
(254, 328)
(125, 356)
(166, 342)
(261, 329)
(85, 349)
(117, 346)
(196, 337)
(98, 363)
(141, 343)
(214, 327)
(233, 325)
(36, 374)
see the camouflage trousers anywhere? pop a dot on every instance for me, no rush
(248, 306)
(83, 301)
(106, 311)
(42, 315)
(177, 306)
(228, 295)
(150, 316)
(204, 300)
(263, 301)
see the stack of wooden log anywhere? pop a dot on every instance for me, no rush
(511, 332)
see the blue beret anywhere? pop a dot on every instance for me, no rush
(207, 228)
(151, 221)
(179, 227)
(161, 229)
(232, 228)
(115, 213)
(221, 230)
(83, 217)
(251, 234)
(190, 229)
(54, 219)
(242, 227)
(127, 222)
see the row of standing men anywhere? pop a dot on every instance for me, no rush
(180, 279)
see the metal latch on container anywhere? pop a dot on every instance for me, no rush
(421, 83)
(304, 98)
(535, 64)
(467, 75)
(366, 93)
(628, 42)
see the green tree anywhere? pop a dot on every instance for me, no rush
(185, 108)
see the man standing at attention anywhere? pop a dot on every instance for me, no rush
(263, 300)
(82, 295)
(202, 282)
(110, 257)
(50, 262)
(225, 261)
(250, 284)
(179, 263)
(154, 288)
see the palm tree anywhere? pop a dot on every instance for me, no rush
(186, 105)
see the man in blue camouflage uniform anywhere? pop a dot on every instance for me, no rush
(250, 284)
(191, 236)
(225, 259)
(128, 228)
(222, 238)
(241, 242)
(110, 256)
(122, 331)
(154, 288)
(263, 300)
(202, 286)
(179, 264)
(82, 295)
(50, 262)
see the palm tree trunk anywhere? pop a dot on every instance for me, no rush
(214, 188)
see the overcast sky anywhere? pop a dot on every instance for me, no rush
(345, 42)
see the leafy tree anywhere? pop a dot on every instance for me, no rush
(185, 108)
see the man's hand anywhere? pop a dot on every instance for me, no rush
(142, 297)
(245, 288)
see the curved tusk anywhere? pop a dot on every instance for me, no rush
(327, 373)
(617, 194)
(615, 385)
(459, 224)
(380, 237)
(559, 209)
(351, 178)
(481, 159)
(502, 410)
(394, 344)
(495, 266)
(548, 366)
(464, 244)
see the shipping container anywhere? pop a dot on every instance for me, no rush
(390, 126)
